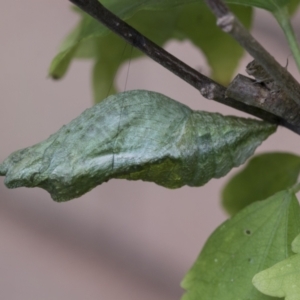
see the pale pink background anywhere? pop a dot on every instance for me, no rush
(123, 240)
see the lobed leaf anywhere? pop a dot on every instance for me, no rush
(263, 176)
(195, 22)
(110, 51)
(296, 244)
(92, 40)
(135, 135)
(270, 5)
(88, 28)
(254, 239)
(293, 6)
(282, 279)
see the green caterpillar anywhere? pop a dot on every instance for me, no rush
(135, 135)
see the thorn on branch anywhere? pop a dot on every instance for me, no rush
(208, 91)
(226, 22)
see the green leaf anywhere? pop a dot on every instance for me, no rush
(92, 40)
(135, 135)
(88, 28)
(293, 6)
(282, 279)
(264, 175)
(296, 244)
(270, 5)
(111, 51)
(195, 23)
(283, 18)
(254, 239)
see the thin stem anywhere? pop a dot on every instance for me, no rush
(283, 19)
(295, 189)
(207, 87)
(229, 23)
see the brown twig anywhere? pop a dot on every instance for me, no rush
(252, 93)
(207, 87)
(231, 25)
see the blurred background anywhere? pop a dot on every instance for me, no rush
(129, 240)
